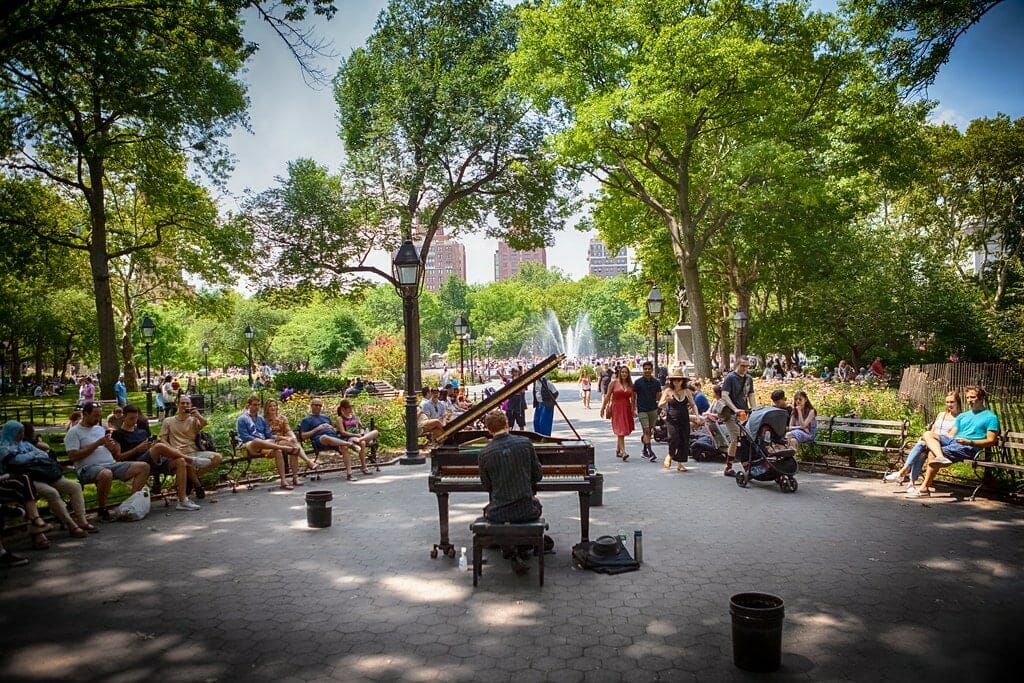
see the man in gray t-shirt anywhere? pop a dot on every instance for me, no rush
(738, 396)
(95, 453)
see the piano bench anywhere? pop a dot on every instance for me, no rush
(507, 534)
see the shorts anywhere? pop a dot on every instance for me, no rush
(161, 466)
(648, 418)
(733, 427)
(88, 474)
(203, 459)
(800, 436)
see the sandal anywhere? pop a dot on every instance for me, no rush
(40, 541)
(85, 526)
(286, 487)
(364, 470)
(682, 468)
(39, 523)
(78, 532)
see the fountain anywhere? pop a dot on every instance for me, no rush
(576, 342)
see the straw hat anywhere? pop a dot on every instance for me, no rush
(677, 373)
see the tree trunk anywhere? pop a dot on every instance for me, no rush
(131, 375)
(100, 266)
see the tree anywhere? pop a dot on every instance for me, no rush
(689, 113)
(117, 96)
(913, 38)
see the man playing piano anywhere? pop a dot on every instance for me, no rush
(510, 472)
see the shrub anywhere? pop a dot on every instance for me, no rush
(310, 382)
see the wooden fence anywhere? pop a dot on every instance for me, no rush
(926, 385)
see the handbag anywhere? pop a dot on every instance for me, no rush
(135, 507)
(44, 469)
(204, 441)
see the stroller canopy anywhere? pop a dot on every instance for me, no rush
(776, 419)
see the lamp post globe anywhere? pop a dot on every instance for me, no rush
(407, 276)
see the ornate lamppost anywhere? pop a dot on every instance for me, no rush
(148, 329)
(407, 270)
(490, 343)
(461, 328)
(249, 334)
(655, 304)
(740, 321)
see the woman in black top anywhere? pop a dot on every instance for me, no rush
(677, 401)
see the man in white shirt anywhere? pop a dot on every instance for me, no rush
(90, 446)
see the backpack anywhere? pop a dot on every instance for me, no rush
(204, 442)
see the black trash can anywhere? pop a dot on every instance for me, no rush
(198, 402)
(757, 631)
(597, 497)
(318, 509)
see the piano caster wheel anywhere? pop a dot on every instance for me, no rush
(433, 554)
(451, 552)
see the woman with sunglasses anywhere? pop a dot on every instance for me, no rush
(919, 453)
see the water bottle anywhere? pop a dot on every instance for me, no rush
(463, 562)
(638, 546)
(622, 536)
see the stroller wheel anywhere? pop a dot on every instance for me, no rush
(741, 479)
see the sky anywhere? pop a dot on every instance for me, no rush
(291, 120)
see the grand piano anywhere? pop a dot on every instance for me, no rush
(566, 464)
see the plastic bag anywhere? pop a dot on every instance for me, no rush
(135, 507)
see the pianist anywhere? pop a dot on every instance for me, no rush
(510, 472)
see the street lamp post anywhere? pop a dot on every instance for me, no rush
(740, 321)
(461, 327)
(206, 358)
(655, 304)
(249, 334)
(407, 269)
(148, 329)
(490, 343)
(472, 355)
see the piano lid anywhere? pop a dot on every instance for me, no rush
(481, 408)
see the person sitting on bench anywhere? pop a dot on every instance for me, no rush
(510, 472)
(320, 430)
(972, 430)
(258, 441)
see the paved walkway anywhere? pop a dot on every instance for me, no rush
(876, 587)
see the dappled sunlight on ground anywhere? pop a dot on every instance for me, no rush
(518, 614)
(419, 589)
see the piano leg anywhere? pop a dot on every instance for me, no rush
(442, 515)
(584, 516)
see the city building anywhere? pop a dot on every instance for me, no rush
(446, 258)
(507, 260)
(602, 264)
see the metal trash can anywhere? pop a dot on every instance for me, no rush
(757, 631)
(198, 402)
(597, 497)
(318, 509)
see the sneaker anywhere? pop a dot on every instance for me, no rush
(913, 492)
(941, 461)
(894, 476)
(730, 473)
(9, 559)
(187, 505)
(104, 515)
(199, 491)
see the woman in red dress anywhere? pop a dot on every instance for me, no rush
(622, 410)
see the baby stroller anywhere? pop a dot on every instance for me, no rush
(759, 452)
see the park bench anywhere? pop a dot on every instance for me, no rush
(840, 432)
(1007, 455)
